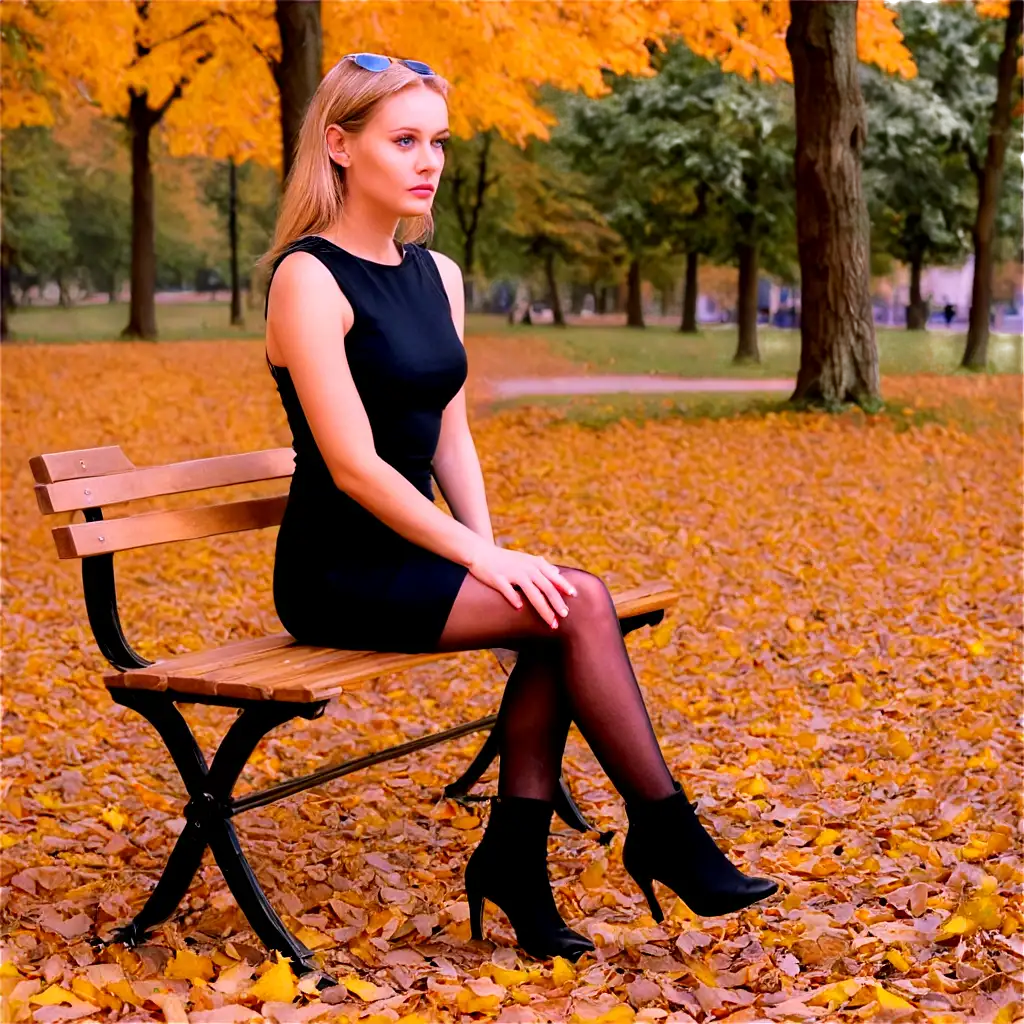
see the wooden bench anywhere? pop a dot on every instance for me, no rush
(269, 680)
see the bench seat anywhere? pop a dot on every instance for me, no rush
(277, 667)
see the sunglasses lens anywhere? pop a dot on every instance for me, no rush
(418, 66)
(371, 61)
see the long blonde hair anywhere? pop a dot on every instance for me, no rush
(313, 193)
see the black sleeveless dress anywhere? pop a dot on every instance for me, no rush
(342, 577)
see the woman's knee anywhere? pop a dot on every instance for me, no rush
(592, 595)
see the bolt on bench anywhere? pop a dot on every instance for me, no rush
(269, 680)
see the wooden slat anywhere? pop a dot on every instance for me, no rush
(118, 486)
(72, 465)
(277, 668)
(76, 540)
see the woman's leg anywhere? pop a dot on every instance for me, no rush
(533, 724)
(601, 691)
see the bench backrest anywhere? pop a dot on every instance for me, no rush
(91, 479)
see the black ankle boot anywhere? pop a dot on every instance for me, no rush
(666, 842)
(510, 868)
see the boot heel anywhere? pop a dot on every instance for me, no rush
(476, 912)
(647, 888)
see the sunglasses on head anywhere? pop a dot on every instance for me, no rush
(378, 62)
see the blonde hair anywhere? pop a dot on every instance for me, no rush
(313, 193)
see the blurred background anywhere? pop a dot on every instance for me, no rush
(613, 166)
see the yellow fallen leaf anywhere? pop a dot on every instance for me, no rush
(54, 995)
(593, 874)
(187, 966)
(795, 624)
(366, 990)
(753, 787)
(955, 925)
(278, 984)
(312, 938)
(837, 994)
(662, 634)
(890, 1001)
(465, 821)
(897, 959)
(507, 978)
(621, 1014)
(827, 837)
(976, 648)
(899, 746)
(562, 972)
(114, 818)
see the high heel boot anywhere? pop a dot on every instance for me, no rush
(509, 867)
(666, 842)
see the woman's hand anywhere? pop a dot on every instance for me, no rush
(541, 582)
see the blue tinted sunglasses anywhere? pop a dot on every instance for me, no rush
(378, 62)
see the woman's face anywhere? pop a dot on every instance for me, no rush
(401, 147)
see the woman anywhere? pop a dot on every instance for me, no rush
(364, 340)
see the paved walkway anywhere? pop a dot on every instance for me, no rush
(517, 387)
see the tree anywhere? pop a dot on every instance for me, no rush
(919, 188)
(838, 352)
(989, 177)
(756, 143)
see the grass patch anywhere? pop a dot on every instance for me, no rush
(596, 412)
(664, 350)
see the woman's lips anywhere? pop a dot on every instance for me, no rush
(423, 190)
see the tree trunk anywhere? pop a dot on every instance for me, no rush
(989, 180)
(237, 320)
(689, 324)
(6, 296)
(746, 313)
(602, 300)
(298, 73)
(838, 351)
(917, 310)
(142, 304)
(553, 299)
(634, 298)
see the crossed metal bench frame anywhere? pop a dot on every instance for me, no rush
(211, 806)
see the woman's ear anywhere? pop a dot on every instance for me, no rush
(337, 147)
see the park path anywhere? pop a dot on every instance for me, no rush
(517, 387)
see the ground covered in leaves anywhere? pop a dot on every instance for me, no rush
(839, 687)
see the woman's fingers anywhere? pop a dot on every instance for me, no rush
(553, 594)
(538, 600)
(507, 589)
(554, 573)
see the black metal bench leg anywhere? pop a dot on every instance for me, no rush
(471, 776)
(181, 868)
(569, 812)
(208, 813)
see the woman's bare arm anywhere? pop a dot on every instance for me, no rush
(456, 464)
(309, 317)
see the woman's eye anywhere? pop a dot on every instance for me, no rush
(443, 142)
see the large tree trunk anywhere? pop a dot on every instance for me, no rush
(689, 324)
(300, 69)
(142, 302)
(989, 180)
(553, 299)
(917, 309)
(634, 297)
(746, 348)
(838, 352)
(237, 320)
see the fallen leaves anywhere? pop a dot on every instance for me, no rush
(839, 690)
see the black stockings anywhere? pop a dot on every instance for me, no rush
(578, 673)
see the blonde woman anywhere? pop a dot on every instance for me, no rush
(364, 340)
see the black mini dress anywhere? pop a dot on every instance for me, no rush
(342, 577)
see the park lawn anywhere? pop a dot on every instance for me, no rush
(665, 350)
(583, 349)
